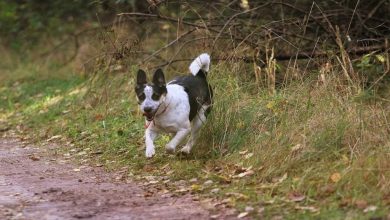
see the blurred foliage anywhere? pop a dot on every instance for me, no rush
(24, 21)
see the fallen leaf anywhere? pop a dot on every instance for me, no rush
(296, 179)
(280, 179)
(81, 153)
(215, 216)
(120, 177)
(248, 155)
(98, 117)
(345, 202)
(370, 208)
(327, 190)
(307, 208)
(54, 138)
(296, 197)
(148, 168)
(249, 209)
(244, 174)
(238, 196)
(269, 202)
(335, 177)
(208, 183)
(260, 210)
(243, 152)
(65, 112)
(148, 194)
(242, 214)
(216, 190)
(33, 158)
(224, 180)
(97, 152)
(150, 178)
(182, 190)
(239, 169)
(242, 171)
(270, 104)
(196, 187)
(217, 169)
(296, 148)
(361, 203)
(225, 201)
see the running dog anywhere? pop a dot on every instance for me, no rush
(179, 107)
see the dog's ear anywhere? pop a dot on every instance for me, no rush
(141, 77)
(158, 78)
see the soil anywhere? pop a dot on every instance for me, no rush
(35, 184)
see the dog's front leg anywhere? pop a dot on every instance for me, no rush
(150, 135)
(176, 140)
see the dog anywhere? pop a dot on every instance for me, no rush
(179, 107)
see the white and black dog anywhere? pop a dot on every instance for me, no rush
(179, 107)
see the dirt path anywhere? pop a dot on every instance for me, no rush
(34, 185)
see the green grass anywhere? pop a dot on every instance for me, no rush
(320, 141)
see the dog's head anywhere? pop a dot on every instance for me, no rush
(150, 95)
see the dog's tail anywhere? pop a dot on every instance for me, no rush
(202, 62)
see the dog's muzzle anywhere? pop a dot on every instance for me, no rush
(149, 116)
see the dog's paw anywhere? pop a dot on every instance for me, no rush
(186, 150)
(149, 152)
(170, 149)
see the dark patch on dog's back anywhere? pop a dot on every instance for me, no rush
(198, 90)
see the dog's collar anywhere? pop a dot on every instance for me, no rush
(147, 124)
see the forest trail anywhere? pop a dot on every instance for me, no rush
(35, 184)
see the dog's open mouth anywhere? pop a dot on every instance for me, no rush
(149, 116)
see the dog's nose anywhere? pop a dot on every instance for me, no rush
(147, 109)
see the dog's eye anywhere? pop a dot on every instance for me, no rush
(155, 96)
(141, 96)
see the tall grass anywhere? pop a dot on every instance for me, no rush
(308, 130)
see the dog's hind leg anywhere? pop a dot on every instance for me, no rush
(177, 139)
(197, 123)
(150, 136)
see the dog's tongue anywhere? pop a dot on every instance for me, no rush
(149, 117)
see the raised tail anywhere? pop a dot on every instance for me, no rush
(202, 62)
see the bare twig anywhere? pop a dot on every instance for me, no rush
(234, 16)
(162, 17)
(168, 45)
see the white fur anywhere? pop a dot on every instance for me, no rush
(174, 119)
(201, 62)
